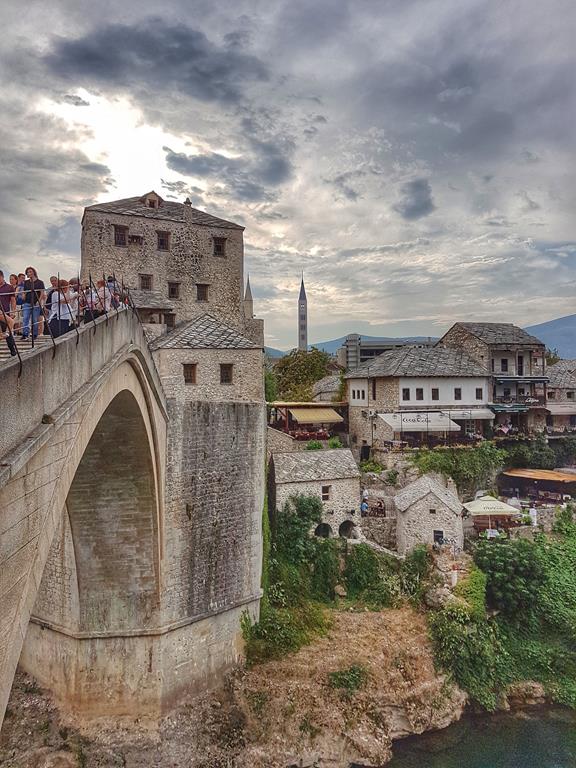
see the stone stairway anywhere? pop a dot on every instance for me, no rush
(24, 346)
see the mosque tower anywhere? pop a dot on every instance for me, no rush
(248, 302)
(302, 318)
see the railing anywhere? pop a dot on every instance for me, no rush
(29, 325)
(533, 400)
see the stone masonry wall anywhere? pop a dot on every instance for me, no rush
(189, 261)
(460, 338)
(280, 442)
(344, 499)
(213, 506)
(247, 375)
(417, 525)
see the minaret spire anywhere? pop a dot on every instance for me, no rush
(248, 302)
(302, 318)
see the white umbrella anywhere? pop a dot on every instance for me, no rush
(488, 506)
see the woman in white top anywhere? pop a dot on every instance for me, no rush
(61, 312)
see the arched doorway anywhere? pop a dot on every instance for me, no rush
(323, 531)
(347, 530)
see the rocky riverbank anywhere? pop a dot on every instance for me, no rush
(279, 714)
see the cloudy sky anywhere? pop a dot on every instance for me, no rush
(416, 158)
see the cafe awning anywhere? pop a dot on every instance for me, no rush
(315, 415)
(561, 409)
(423, 421)
(488, 505)
(471, 414)
(549, 475)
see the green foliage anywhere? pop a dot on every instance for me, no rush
(362, 569)
(470, 468)
(472, 589)
(326, 569)
(314, 445)
(334, 442)
(349, 680)
(391, 477)
(265, 580)
(293, 523)
(270, 386)
(414, 571)
(515, 574)
(552, 356)
(472, 651)
(369, 465)
(564, 523)
(298, 371)
(537, 454)
(341, 394)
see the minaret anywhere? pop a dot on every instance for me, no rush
(302, 318)
(248, 302)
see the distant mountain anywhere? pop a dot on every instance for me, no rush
(558, 334)
(271, 352)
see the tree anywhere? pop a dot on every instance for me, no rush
(552, 356)
(270, 386)
(298, 371)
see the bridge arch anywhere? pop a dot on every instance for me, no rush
(95, 482)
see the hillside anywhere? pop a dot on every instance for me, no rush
(558, 334)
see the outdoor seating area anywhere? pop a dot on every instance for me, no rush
(306, 420)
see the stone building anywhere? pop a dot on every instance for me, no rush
(357, 349)
(180, 262)
(561, 399)
(427, 513)
(331, 475)
(327, 390)
(516, 363)
(185, 269)
(416, 395)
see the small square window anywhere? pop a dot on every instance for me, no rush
(135, 239)
(419, 393)
(570, 395)
(406, 394)
(189, 373)
(326, 492)
(170, 319)
(364, 394)
(479, 393)
(504, 365)
(438, 537)
(163, 241)
(201, 292)
(457, 393)
(432, 511)
(551, 395)
(173, 290)
(120, 236)
(435, 393)
(145, 282)
(219, 246)
(226, 373)
(507, 392)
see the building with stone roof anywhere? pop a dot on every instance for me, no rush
(561, 399)
(417, 395)
(179, 262)
(327, 389)
(516, 363)
(331, 475)
(427, 513)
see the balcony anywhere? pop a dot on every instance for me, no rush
(526, 401)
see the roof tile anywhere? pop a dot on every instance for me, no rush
(303, 466)
(420, 361)
(204, 332)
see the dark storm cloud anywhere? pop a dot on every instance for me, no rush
(75, 101)
(415, 199)
(62, 238)
(155, 54)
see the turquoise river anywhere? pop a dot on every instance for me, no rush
(535, 739)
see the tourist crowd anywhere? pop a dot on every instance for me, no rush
(29, 308)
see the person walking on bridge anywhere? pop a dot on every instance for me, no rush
(33, 300)
(7, 310)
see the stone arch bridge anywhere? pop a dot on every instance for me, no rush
(83, 565)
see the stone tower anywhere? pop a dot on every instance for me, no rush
(248, 302)
(302, 318)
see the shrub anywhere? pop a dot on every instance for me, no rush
(292, 538)
(334, 442)
(362, 569)
(414, 570)
(349, 680)
(369, 465)
(473, 590)
(470, 468)
(325, 569)
(314, 445)
(391, 477)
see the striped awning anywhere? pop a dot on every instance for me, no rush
(315, 415)
(422, 421)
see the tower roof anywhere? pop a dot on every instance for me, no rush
(302, 296)
(248, 294)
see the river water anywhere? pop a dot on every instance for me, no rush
(538, 739)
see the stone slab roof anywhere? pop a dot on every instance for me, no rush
(560, 378)
(204, 332)
(422, 487)
(167, 211)
(563, 365)
(327, 384)
(304, 466)
(150, 300)
(501, 333)
(420, 361)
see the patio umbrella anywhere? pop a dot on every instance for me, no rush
(487, 506)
